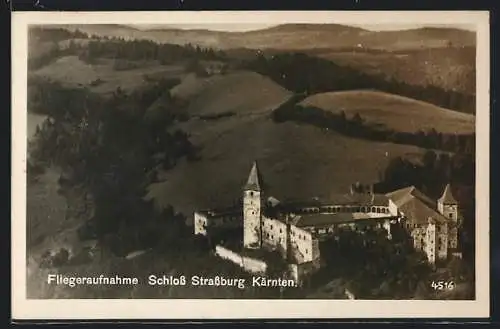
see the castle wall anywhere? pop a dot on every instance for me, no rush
(249, 264)
(301, 243)
(453, 237)
(227, 221)
(430, 243)
(200, 223)
(298, 272)
(442, 241)
(418, 234)
(274, 233)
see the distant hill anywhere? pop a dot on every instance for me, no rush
(293, 36)
(395, 112)
(441, 57)
(450, 68)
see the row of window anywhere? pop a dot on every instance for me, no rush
(299, 236)
(347, 209)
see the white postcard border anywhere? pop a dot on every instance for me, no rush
(23, 308)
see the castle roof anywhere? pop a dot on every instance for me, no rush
(318, 220)
(254, 182)
(354, 199)
(415, 205)
(447, 197)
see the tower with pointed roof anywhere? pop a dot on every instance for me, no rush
(252, 208)
(448, 207)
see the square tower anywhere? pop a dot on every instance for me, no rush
(252, 208)
(448, 207)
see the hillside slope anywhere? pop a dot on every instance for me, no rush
(396, 112)
(450, 68)
(296, 161)
(101, 77)
(239, 92)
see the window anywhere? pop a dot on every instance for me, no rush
(307, 251)
(267, 235)
(373, 209)
(272, 237)
(451, 215)
(251, 193)
(281, 231)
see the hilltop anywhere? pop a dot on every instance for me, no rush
(394, 112)
(440, 57)
(291, 36)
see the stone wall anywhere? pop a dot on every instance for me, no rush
(249, 264)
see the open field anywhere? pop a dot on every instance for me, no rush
(395, 112)
(296, 161)
(101, 77)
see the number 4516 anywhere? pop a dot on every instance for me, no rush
(443, 285)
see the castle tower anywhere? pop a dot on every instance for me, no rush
(252, 207)
(448, 207)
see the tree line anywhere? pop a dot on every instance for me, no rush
(147, 50)
(109, 149)
(357, 127)
(301, 73)
(55, 34)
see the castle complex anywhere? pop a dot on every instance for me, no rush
(295, 228)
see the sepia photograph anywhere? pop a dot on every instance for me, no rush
(291, 157)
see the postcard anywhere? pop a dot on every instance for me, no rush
(250, 165)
